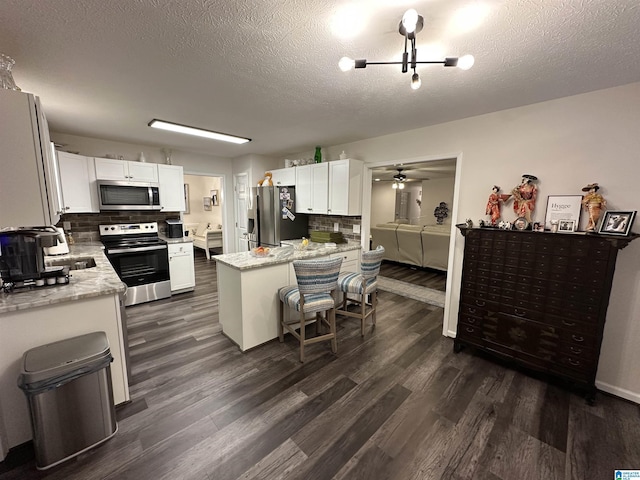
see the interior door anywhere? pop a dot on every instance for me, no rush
(242, 195)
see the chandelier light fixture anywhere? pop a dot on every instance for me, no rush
(410, 25)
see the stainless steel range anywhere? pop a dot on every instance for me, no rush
(140, 259)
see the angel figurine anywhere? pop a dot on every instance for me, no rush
(493, 204)
(593, 202)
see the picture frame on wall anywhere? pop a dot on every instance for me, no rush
(214, 198)
(186, 198)
(563, 207)
(206, 202)
(615, 222)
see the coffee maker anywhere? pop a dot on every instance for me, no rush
(22, 257)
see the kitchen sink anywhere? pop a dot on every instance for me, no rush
(76, 263)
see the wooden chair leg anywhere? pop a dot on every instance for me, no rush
(363, 312)
(374, 306)
(302, 332)
(331, 314)
(280, 328)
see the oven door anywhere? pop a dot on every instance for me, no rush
(140, 265)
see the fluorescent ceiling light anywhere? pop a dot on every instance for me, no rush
(198, 132)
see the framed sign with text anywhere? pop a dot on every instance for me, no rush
(563, 207)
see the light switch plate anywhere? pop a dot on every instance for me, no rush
(336, 227)
(356, 228)
(66, 225)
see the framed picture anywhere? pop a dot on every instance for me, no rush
(566, 226)
(520, 223)
(214, 198)
(617, 222)
(206, 202)
(186, 198)
(563, 207)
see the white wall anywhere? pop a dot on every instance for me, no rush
(383, 201)
(567, 143)
(433, 192)
(200, 186)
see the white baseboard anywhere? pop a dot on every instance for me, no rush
(619, 392)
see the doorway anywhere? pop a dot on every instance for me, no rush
(423, 168)
(204, 203)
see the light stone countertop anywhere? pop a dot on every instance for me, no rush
(284, 254)
(90, 282)
(184, 239)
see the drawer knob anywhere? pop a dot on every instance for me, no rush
(568, 324)
(480, 303)
(472, 310)
(578, 338)
(575, 350)
(573, 362)
(520, 313)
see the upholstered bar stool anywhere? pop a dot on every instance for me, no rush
(362, 284)
(314, 293)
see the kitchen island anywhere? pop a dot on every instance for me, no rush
(248, 287)
(36, 316)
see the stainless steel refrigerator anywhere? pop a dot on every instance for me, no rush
(272, 217)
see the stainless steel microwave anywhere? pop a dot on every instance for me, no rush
(122, 195)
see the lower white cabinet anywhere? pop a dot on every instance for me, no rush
(181, 268)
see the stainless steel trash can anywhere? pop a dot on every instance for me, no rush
(68, 388)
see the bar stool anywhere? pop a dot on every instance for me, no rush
(362, 284)
(314, 293)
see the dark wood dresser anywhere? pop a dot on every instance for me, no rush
(538, 299)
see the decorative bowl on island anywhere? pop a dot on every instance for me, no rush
(260, 252)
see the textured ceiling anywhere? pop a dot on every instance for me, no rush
(267, 69)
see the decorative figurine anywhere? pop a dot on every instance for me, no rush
(524, 197)
(493, 204)
(441, 212)
(469, 223)
(266, 181)
(594, 203)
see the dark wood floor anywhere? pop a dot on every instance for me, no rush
(415, 275)
(396, 404)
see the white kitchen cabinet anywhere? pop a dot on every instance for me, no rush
(345, 187)
(284, 177)
(181, 267)
(79, 192)
(171, 181)
(333, 188)
(312, 188)
(28, 169)
(112, 169)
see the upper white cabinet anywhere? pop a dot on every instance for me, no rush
(312, 183)
(284, 177)
(345, 187)
(333, 188)
(112, 169)
(79, 192)
(171, 181)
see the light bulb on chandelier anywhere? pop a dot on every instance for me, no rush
(415, 81)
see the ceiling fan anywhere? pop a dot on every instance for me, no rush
(400, 177)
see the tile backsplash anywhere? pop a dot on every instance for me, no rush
(84, 226)
(345, 224)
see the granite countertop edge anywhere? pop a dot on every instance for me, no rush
(279, 255)
(83, 284)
